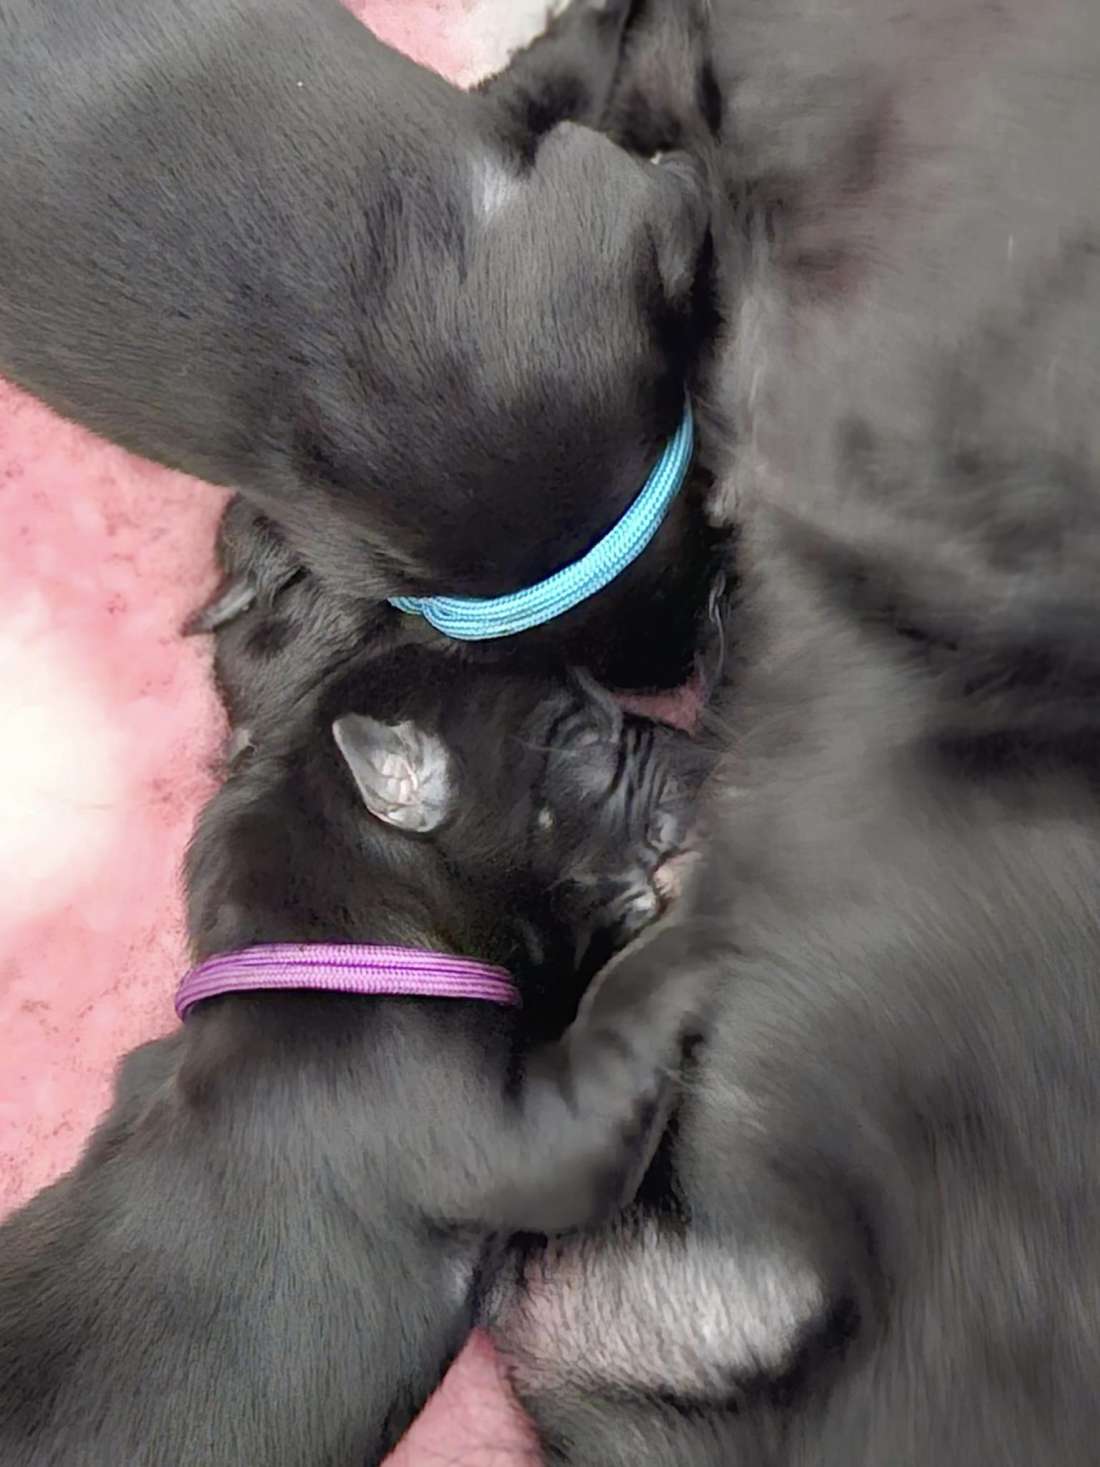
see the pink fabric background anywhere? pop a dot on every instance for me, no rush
(108, 729)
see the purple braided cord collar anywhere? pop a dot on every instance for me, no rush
(390, 972)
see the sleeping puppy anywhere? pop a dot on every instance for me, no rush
(873, 1238)
(437, 338)
(272, 1247)
(626, 810)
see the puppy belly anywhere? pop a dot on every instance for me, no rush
(643, 1309)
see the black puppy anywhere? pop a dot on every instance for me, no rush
(628, 801)
(878, 1244)
(439, 339)
(271, 1249)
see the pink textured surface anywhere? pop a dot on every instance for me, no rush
(108, 728)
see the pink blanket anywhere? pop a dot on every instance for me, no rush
(108, 729)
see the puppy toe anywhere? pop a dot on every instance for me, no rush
(671, 877)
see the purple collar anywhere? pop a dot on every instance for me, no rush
(336, 967)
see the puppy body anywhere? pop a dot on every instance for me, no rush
(271, 1249)
(625, 797)
(875, 1217)
(877, 1244)
(440, 348)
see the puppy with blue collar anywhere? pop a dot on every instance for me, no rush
(439, 338)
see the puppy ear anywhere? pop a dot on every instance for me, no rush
(405, 775)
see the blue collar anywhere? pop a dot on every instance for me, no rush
(477, 619)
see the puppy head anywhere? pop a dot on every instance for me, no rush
(517, 362)
(550, 802)
(618, 799)
(431, 804)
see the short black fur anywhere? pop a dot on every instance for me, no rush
(895, 1117)
(440, 336)
(274, 1243)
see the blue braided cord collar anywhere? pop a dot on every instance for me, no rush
(474, 619)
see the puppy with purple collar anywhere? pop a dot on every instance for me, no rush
(277, 1239)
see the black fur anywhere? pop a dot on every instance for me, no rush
(437, 336)
(272, 1247)
(877, 1245)
(619, 789)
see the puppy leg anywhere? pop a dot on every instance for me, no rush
(141, 1076)
(573, 1141)
(566, 74)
